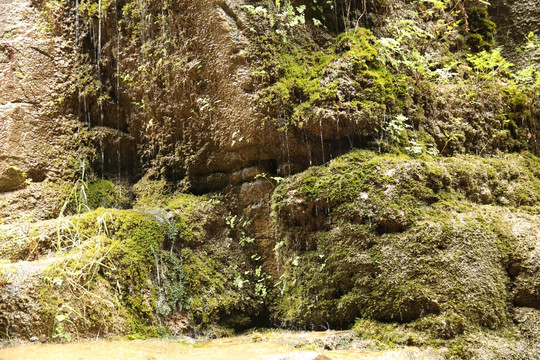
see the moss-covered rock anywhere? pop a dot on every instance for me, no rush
(116, 255)
(105, 194)
(423, 241)
(226, 286)
(482, 30)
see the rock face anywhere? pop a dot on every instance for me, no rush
(442, 246)
(252, 105)
(516, 19)
(212, 95)
(349, 230)
(37, 134)
(180, 89)
(31, 68)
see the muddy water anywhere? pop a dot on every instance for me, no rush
(267, 346)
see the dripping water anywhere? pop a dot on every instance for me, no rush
(159, 269)
(163, 26)
(340, 150)
(308, 144)
(288, 152)
(98, 54)
(143, 30)
(101, 114)
(330, 150)
(283, 150)
(336, 17)
(118, 152)
(75, 50)
(322, 140)
(76, 24)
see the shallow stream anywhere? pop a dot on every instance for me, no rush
(258, 346)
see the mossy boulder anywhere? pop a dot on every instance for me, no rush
(225, 283)
(160, 263)
(482, 30)
(11, 178)
(105, 194)
(431, 241)
(116, 256)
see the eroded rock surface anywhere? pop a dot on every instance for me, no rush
(37, 134)
(516, 19)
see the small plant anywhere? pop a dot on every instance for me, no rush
(452, 138)
(274, 180)
(395, 129)
(77, 195)
(62, 320)
(489, 65)
(282, 17)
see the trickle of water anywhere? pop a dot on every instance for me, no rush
(328, 207)
(86, 111)
(330, 150)
(76, 24)
(339, 138)
(288, 152)
(322, 140)
(102, 156)
(98, 55)
(118, 112)
(101, 113)
(119, 159)
(143, 29)
(163, 26)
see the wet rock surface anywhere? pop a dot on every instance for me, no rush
(515, 20)
(169, 97)
(36, 128)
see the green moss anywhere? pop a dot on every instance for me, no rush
(105, 194)
(388, 335)
(217, 282)
(116, 255)
(308, 77)
(482, 30)
(299, 87)
(151, 193)
(193, 216)
(184, 202)
(221, 285)
(501, 344)
(405, 240)
(149, 265)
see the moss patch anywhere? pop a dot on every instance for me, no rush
(221, 275)
(105, 194)
(116, 256)
(423, 241)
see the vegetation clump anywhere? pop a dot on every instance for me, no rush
(423, 242)
(405, 66)
(225, 284)
(149, 268)
(115, 256)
